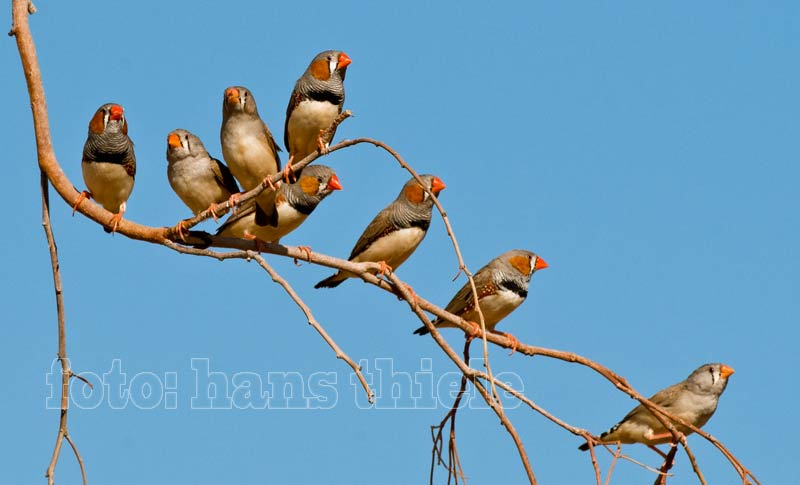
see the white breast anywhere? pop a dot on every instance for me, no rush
(304, 124)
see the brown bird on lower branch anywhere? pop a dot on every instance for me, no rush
(694, 400)
(502, 286)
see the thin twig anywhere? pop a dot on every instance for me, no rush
(317, 326)
(614, 459)
(66, 372)
(248, 255)
(669, 460)
(162, 235)
(453, 463)
(77, 455)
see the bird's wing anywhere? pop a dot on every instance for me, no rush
(224, 176)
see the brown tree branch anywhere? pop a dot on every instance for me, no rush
(66, 372)
(248, 255)
(165, 236)
(453, 464)
(669, 460)
(314, 323)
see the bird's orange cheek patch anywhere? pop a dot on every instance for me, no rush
(521, 264)
(319, 69)
(415, 194)
(309, 185)
(97, 125)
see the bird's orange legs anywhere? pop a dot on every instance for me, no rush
(81, 197)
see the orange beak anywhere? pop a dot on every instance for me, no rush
(232, 95)
(116, 112)
(333, 183)
(437, 186)
(174, 141)
(344, 61)
(540, 264)
(725, 371)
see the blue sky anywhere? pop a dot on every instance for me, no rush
(647, 152)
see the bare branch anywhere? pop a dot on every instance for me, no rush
(243, 250)
(314, 323)
(66, 372)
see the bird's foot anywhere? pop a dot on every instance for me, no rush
(475, 330)
(252, 237)
(288, 171)
(511, 338)
(213, 210)
(113, 223)
(180, 229)
(270, 183)
(233, 201)
(384, 269)
(305, 249)
(83, 195)
(321, 145)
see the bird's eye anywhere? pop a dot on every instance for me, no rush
(319, 179)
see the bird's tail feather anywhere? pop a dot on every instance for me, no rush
(331, 281)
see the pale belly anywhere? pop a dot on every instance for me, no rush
(288, 220)
(109, 184)
(307, 119)
(496, 308)
(250, 161)
(196, 185)
(394, 249)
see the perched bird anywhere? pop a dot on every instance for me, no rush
(249, 149)
(293, 204)
(693, 400)
(316, 101)
(502, 286)
(200, 181)
(396, 231)
(108, 163)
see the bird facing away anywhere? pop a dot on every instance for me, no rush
(315, 102)
(200, 181)
(249, 149)
(694, 400)
(108, 163)
(396, 232)
(293, 204)
(502, 286)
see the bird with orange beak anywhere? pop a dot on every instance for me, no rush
(108, 162)
(200, 180)
(249, 149)
(396, 232)
(316, 101)
(293, 204)
(502, 287)
(694, 400)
